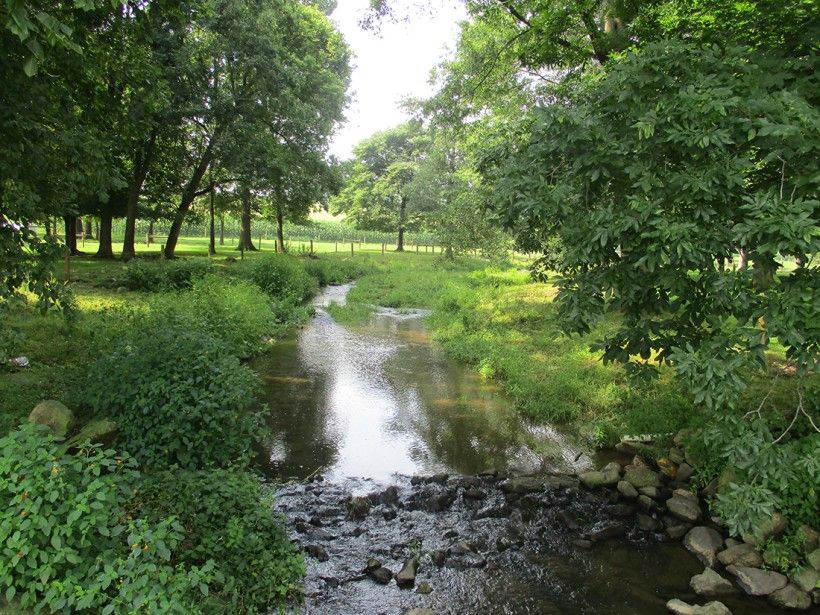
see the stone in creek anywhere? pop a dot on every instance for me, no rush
(389, 496)
(372, 564)
(641, 476)
(684, 508)
(704, 542)
(676, 455)
(419, 612)
(710, 584)
(809, 537)
(648, 503)
(647, 523)
(438, 556)
(468, 560)
(389, 514)
(603, 478)
(474, 493)
(501, 511)
(381, 575)
(757, 582)
(650, 492)
(407, 575)
(807, 579)
(582, 544)
(679, 607)
(528, 484)
(741, 554)
(685, 472)
(772, 526)
(606, 531)
(813, 559)
(449, 534)
(790, 597)
(569, 520)
(317, 551)
(668, 467)
(460, 548)
(620, 510)
(317, 533)
(424, 588)
(358, 507)
(676, 532)
(627, 490)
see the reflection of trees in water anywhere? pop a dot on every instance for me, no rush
(298, 415)
(466, 428)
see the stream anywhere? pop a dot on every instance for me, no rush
(385, 448)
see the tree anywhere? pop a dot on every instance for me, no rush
(377, 194)
(277, 65)
(654, 172)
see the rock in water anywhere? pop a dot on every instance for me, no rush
(704, 542)
(407, 575)
(790, 597)
(54, 415)
(381, 575)
(679, 607)
(424, 588)
(317, 551)
(419, 612)
(710, 584)
(358, 507)
(684, 508)
(740, 555)
(627, 490)
(757, 582)
(594, 479)
(640, 476)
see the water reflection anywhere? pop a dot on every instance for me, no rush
(380, 399)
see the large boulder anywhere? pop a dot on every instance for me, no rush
(814, 559)
(684, 508)
(770, 527)
(641, 476)
(529, 484)
(710, 584)
(704, 542)
(97, 431)
(790, 597)
(407, 574)
(679, 607)
(742, 554)
(54, 415)
(757, 582)
(807, 579)
(604, 478)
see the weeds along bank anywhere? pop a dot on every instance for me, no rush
(505, 325)
(141, 496)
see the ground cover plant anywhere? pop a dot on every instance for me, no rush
(163, 362)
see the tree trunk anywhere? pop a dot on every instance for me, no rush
(48, 227)
(188, 196)
(744, 259)
(280, 231)
(402, 215)
(71, 234)
(212, 229)
(245, 239)
(222, 229)
(150, 232)
(89, 230)
(106, 249)
(142, 163)
(96, 229)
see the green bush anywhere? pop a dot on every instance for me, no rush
(765, 475)
(333, 271)
(162, 275)
(283, 277)
(65, 541)
(179, 398)
(236, 312)
(227, 516)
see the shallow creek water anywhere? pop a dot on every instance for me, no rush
(355, 410)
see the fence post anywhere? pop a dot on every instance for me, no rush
(351, 248)
(311, 246)
(337, 246)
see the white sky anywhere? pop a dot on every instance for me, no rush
(391, 65)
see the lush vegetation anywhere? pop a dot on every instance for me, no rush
(172, 519)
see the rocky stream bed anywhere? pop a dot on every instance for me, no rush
(602, 542)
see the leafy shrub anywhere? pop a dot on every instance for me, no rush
(163, 275)
(333, 271)
(768, 476)
(65, 542)
(227, 516)
(236, 312)
(179, 398)
(283, 277)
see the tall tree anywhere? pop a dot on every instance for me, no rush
(377, 193)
